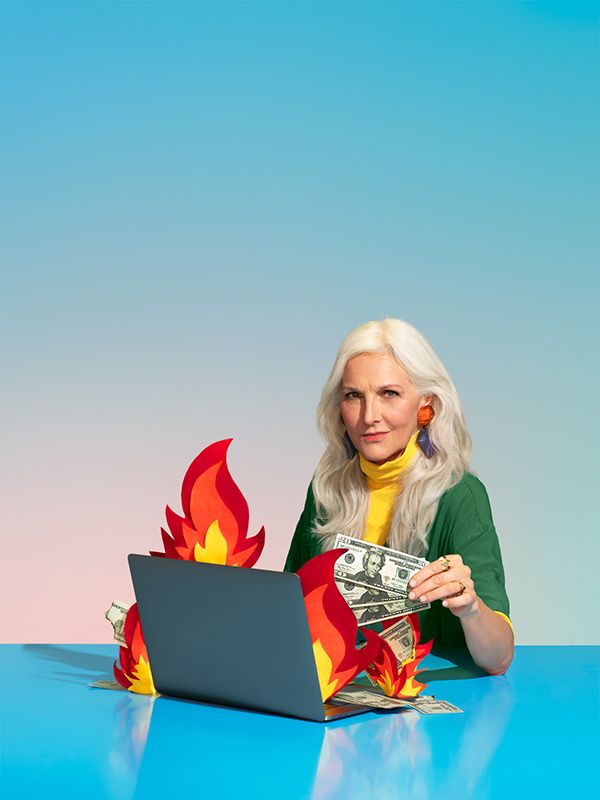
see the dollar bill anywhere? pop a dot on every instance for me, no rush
(358, 596)
(425, 704)
(116, 615)
(429, 705)
(367, 698)
(108, 684)
(397, 608)
(375, 566)
(402, 641)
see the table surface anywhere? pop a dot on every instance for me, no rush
(532, 733)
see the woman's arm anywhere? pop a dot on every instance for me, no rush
(489, 636)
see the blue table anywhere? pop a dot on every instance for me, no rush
(530, 734)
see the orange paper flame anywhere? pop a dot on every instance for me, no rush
(134, 673)
(213, 529)
(384, 670)
(215, 523)
(333, 626)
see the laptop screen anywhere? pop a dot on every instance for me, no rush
(227, 635)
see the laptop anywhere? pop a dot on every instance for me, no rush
(230, 636)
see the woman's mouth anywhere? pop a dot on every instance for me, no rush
(374, 437)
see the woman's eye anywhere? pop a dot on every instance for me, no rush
(351, 395)
(391, 393)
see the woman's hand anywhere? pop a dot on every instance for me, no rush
(488, 636)
(448, 580)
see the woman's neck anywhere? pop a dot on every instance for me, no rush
(389, 471)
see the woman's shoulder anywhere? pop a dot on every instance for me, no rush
(468, 495)
(309, 504)
(309, 513)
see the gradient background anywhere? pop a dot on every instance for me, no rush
(201, 199)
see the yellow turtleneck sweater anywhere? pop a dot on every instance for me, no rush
(384, 482)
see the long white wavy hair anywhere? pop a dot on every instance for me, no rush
(339, 486)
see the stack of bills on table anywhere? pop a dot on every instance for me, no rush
(374, 580)
(364, 696)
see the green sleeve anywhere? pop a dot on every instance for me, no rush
(474, 537)
(304, 544)
(464, 525)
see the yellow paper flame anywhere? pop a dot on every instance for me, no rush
(141, 679)
(324, 670)
(215, 546)
(387, 684)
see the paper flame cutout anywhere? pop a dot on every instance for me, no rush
(333, 626)
(384, 670)
(134, 673)
(213, 530)
(215, 523)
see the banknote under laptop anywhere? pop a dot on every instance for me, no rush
(365, 696)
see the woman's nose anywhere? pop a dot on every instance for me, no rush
(371, 410)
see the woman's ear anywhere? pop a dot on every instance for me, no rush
(425, 400)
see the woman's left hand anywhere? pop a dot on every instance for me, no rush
(449, 580)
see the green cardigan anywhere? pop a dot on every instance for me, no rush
(463, 524)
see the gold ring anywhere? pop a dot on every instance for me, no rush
(462, 588)
(445, 563)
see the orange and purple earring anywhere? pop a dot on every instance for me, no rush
(424, 416)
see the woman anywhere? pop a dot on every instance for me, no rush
(395, 472)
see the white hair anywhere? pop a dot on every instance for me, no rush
(339, 486)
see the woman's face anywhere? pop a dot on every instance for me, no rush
(379, 405)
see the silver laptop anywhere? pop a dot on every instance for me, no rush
(231, 636)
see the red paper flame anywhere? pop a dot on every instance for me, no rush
(134, 673)
(384, 670)
(413, 687)
(333, 626)
(213, 529)
(215, 523)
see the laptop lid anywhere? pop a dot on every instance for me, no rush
(228, 635)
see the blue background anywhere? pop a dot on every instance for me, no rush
(201, 199)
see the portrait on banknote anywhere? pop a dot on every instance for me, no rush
(373, 563)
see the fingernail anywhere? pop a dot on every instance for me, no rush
(445, 603)
(423, 599)
(413, 583)
(411, 595)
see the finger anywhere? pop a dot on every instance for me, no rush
(436, 567)
(460, 601)
(447, 590)
(438, 580)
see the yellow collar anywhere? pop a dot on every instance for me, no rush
(379, 475)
